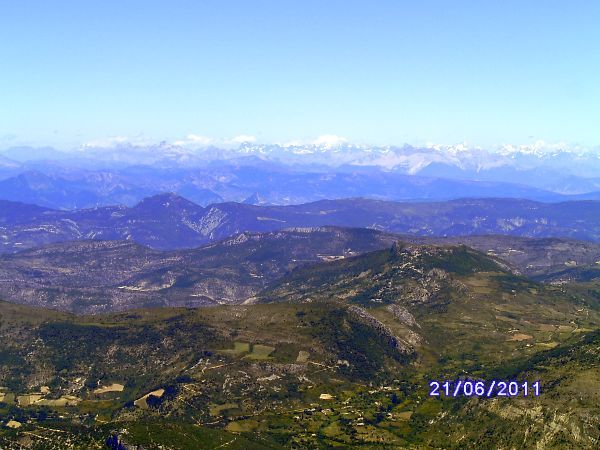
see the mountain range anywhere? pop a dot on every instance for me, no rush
(334, 152)
(108, 276)
(168, 221)
(292, 174)
(101, 276)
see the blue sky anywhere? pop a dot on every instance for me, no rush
(381, 72)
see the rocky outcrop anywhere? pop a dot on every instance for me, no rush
(382, 329)
(403, 315)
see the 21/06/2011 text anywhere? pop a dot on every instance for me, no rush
(492, 388)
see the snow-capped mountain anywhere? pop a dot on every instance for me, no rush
(333, 151)
(557, 168)
(412, 160)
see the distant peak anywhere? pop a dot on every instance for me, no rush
(255, 199)
(167, 200)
